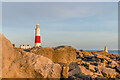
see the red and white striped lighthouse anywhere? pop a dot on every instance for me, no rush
(37, 36)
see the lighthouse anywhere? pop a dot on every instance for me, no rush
(37, 36)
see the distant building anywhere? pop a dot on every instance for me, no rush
(25, 47)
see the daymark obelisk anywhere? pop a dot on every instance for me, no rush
(106, 49)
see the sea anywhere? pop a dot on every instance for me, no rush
(109, 51)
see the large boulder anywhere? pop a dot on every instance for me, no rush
(47, 52)
(64, 55)
(108, 72)
(21, 64)
(80, 71)
(60, 54)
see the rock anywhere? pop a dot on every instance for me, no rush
(117, 68)
(34, 49)
(96, 69)
(98, 75)
(92, 68)
(118, 76)
(80, 71)
(118, 58)
(83, 62)
(102, 53)
(88, 53)
(108, 72)
(102, 60)
(73, 65)
(71, 77)
(65, 71)
(74, 72)
(113, 64)
(62, 54)
(77, 52)
(78, 57)
(95, 60)
(84, 77)
(79, 61)
(87, 56)
(85, 71)
(82, 50)
(102, 57)
(86, 65)
(112, 57)
(99, 78)
(21, 64)
(94, 63)
(57, 62)
(46, 52)
(95, 55)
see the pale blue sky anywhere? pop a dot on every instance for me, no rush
(87, 25)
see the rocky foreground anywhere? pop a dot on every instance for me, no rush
(57, 62)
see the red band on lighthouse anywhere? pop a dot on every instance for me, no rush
(37, 39)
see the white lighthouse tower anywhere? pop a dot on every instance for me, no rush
(37, 36)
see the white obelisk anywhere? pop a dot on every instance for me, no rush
(106, 49)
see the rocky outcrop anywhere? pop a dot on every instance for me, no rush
(22, 64)
(60, 54)
(97, 65)
(58, 62)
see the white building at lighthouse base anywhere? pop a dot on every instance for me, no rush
(25, 47)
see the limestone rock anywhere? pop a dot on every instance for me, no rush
(108, 72)
(73, 65)
(94, 63)
(21, 64)
(88, 53)
(80, 71)
(113, 64)
(92, 68)
(56, 62)
(75, 71)
(85, 71)
(60, 54)
(65, 71)
(102, 57)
